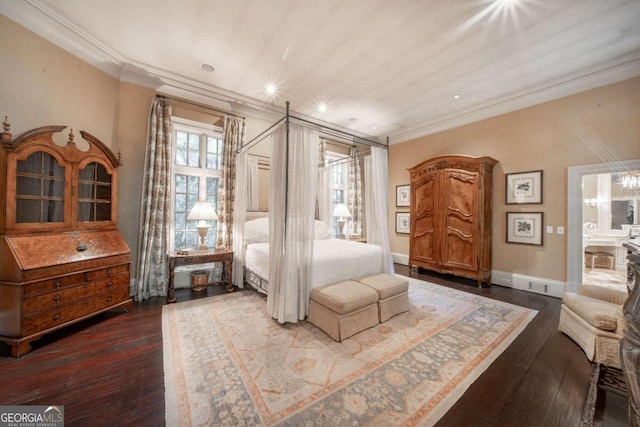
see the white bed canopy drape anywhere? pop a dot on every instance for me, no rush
(291, 220)
(325, 177)
(252, 184)
(376, 173)
(239, 214)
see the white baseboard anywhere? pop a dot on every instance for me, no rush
(402, 259)
(538, 285)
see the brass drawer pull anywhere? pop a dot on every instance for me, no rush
(57, 317)
(109, 284)
(57, 298)
(109, 299)
(57, 284)
(109, 272)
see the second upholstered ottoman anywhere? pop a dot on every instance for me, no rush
(393, 295)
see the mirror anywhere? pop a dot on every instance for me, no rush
(611, 201)
(622, 213)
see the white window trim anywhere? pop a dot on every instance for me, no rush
(190, 126)
(332, 156)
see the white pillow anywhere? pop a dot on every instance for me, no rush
(256, 231)
(321, 230)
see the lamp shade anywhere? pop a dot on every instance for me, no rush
(202, 211)
(341, 210)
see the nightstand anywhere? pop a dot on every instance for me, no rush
(194, 257)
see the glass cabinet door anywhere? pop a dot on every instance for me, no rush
(94, 193)
(39, 189)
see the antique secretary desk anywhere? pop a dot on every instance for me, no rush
(62, 259)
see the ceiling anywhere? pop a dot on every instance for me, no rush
(385, 68)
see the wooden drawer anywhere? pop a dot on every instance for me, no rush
(61, 315)
(67, 295)
(107, 272)
(53, 284)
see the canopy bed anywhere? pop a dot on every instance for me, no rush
(292, 257)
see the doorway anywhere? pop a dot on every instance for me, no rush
(575, 242)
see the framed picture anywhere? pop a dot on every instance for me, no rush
(525, 227)
(403, 193)
(523, 187)
(402, 222)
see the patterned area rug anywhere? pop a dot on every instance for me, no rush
(226, 362)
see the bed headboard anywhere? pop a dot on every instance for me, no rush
(251, 215)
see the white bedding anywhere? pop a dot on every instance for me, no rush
(334, 260)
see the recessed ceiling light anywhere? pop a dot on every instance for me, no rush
(322, 107)
(271, 89)
(208, 68)
(456, 96)
(352, 119)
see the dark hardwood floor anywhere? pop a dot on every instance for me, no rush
(107, 371)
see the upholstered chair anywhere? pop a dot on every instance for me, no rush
(593, 318)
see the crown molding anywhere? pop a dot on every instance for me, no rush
(620, 69)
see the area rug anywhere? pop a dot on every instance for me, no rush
(226, 362)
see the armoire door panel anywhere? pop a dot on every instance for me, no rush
(461, 192)
(459, 252)
(424, 249)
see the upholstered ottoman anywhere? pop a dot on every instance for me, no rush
(343, 309)
(393, 295)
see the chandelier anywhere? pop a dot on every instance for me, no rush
(630, 182)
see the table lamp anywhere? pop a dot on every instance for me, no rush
(202, 212)
(341, 211)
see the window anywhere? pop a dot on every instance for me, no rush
(195, 175)
(340, 180)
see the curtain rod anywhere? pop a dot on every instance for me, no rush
(346, 159)
(323, 129)
(341, 134)
(262, 135)
(206, 107)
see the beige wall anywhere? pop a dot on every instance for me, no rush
(42, 84)
(597, 126)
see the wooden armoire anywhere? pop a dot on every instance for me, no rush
(62, 259)
(451, 216)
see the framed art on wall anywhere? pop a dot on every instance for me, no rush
(523, 187)
(402, 195)
(402, 222)
(525, 227)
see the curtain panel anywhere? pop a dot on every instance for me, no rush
(252, 184)
(355, 193)
(233, 137)
(239, 217)
(325, 185)
(376, 204)
(291, 221)
(153, 240)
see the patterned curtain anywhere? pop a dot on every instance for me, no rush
(355, 194)
(233, 137)
(155, 206)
